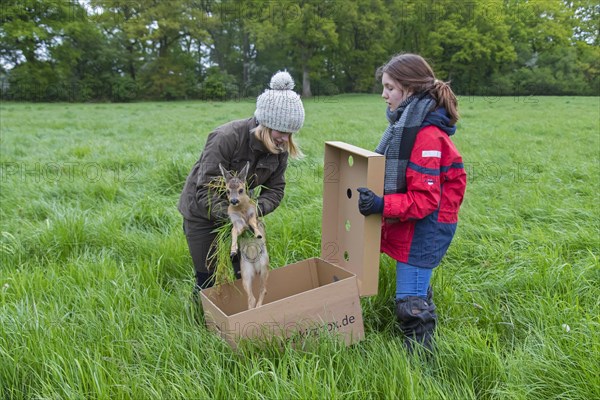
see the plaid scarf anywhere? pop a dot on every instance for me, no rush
(398, 139)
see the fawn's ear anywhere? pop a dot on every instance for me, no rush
(244, 172)
(226, 174)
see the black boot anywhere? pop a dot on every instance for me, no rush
(429, 294)
(203, 280)
(417, 320)
(195, 311)
(235, 261)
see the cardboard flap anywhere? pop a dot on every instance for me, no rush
(349, 239)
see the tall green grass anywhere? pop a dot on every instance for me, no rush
(96, 278)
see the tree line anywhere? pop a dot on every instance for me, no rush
(125, 50)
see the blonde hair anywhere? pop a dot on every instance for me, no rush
(263, 134)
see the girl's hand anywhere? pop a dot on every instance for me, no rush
(369, 203)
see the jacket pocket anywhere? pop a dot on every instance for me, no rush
(264, 170)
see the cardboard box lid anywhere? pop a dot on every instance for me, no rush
(349, 239)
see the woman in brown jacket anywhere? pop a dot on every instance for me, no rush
(265, 141)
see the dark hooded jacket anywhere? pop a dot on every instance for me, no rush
(233, 145)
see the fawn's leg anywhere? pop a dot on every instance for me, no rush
(237, 228)
(247, 270)
(263, 276)
(253, 222)
(234, 239)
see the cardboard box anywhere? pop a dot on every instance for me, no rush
(303, 299)
(318, 295)
(348, 238)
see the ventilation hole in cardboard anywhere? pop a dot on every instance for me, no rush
(347, 225)
(350, 161)
(349, 193)
(346, 256)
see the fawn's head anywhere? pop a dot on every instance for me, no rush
(235, 184)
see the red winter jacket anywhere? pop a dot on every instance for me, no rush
(419, 225)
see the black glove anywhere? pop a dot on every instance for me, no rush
(369, 203)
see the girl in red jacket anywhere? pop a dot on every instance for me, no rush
(424, 186)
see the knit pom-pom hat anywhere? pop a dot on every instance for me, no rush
(280, 108)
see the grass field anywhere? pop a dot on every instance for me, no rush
(95, 275)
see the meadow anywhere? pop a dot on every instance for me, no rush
(96, 278)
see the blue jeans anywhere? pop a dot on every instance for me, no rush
(411, 280)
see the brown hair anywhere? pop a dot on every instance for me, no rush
(414, 73)
(263, 134)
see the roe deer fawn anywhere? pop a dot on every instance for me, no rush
(254, 259)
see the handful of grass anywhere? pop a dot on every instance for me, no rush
(219, 255)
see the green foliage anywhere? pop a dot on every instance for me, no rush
(124, 89)
(468, 44)
(184, 49)
(165, 79)
(34, 82)
(218, 85)
(96, 278)
(364, 30)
